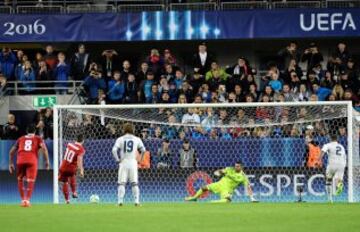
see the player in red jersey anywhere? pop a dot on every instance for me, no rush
(72, 160)
(27, 148)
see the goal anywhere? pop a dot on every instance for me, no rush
(186, 143)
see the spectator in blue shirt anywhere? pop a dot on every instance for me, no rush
(321, 92)
(145, 86)
(275, 83)
(27, 74)
(94, 82)
(7, 62)
(179, 79)
(61, 73)
(116, 86)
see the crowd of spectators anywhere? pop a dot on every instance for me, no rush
(160, 79)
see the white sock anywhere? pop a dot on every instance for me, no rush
(329, 192)
(136, 193)
(121, 193)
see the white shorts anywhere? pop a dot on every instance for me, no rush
(335, 171)
(128, 172)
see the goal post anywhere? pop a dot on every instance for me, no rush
(270, 138)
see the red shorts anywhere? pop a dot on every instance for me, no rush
(28, 170)
(65, 175)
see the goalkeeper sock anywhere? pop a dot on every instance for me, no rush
(21, 189)
(136, 193)
(73, 184)
(65, 190)
(198, 194)
(121, 193)
(220, 201)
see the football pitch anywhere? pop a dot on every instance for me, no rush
(187, 217)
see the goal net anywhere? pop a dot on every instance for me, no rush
(278, 143)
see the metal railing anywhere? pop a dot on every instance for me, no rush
(141, 7)
(39, 9)
(6, 10)
(83, 6)
(243, 5)
(297, 4)
(97, 8)
(208, 6)
(342, 4)
(16, 87)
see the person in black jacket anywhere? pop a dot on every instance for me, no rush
(10, 129)
(202, 60)
(80, 63)
(312, 56)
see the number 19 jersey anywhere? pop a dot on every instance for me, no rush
(129, 146)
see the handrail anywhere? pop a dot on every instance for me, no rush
(14, 85)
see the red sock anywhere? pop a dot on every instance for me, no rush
(21, 189)
(30, 189)
(65, 190)
(73, 184)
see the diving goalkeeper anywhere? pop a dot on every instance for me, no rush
(232, 177)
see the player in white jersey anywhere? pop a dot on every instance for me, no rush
(128, 146)
(336, 166)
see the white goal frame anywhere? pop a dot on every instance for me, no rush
(58, 150)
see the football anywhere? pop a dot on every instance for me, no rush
(94, 198)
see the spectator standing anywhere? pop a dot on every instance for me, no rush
(116, 86)
(61, 74)
(80, 63)
(312, 56)
(142, 73)
(202, 60)
(169, 58)
(10, 129)
(50, 57)
(7, 63)
(288, 53)
(164, 155)
(94, 82)
(131, 90)
(155, 62)
(27, 75)
(145, 87)
(187, 155)
(126, 70)
(109, 63)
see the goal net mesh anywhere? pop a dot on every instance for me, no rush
(278, 145)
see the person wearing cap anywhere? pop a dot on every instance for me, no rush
(312, 56)
(164, 155)
(187, 155)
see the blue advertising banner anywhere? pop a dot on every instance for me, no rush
(185, 25)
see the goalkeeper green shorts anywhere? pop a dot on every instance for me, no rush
(220, 189)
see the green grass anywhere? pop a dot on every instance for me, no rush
(199, 217)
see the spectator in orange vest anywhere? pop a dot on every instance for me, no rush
(313, 153)
(145, 163)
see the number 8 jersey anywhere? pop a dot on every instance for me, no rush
(28, 147)
(69, 162)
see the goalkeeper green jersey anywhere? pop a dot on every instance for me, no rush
(232, 179)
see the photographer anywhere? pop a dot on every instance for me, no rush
(312, 56)
(94, 82)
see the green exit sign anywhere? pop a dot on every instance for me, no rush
(44, 101)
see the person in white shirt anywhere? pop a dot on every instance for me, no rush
(128, 146)
(336, 166)
(190, 117)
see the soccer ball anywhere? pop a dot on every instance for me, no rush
(94, 198)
